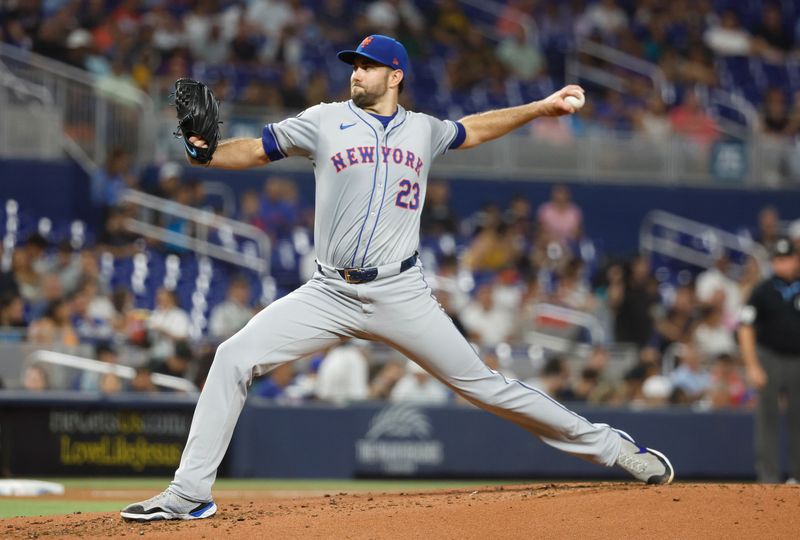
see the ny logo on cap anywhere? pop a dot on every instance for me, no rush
(367, 41)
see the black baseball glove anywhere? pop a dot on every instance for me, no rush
(198, 115)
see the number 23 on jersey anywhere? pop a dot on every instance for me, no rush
(408, 196)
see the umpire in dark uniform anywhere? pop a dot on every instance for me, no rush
(769, 338)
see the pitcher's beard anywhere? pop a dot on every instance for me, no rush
(364, 99)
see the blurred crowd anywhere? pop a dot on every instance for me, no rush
(491, 271)
(279, 54)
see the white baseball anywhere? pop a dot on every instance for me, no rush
(576, 102)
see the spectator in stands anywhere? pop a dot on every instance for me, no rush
(108, 183)
(560, 217)
(91, 314)
(143, 381)
(317, 89)
(493, 246)
(35, 378)
(554, 380)
(652, 120)
(515, 14)
(169, 180)
(14, 31)
(715, 286)
(657, 391)
(167, 324)
(630, 391)
(525, 318)
(92, 381)
(587, 384)
(521, 55)
(728, 38)
(279, 207)
(110, 384)
(711, 335)
(292, 93)
(55, 327)
(696, 67)
(448, 279)
(609, 289)
(691, 376)
(176, 364)
(386, 15)
(772, 39)
(81, 54)
(419, 387)
(230, 316)
(492, 361)
(469, 66)
(727, 385)
(751, 275)
(520, 219)
(769, 227)
(555, 23)
(100, 305)
(50, 291)
(486, 323)
(129, 324)
(775, 117)
(572, 290)
(343, 375)
(51, 34)
(606, 385)
(604, 17)
(633, 303)
(690, 120)
(25, 277)
(181, 225)
(118, 85)
(275, 385)
(438, 217)
(677, 325)
(448, 22)
(381, 385)
(12, 315)
(250, 209)
(115, 238)
(66, 264)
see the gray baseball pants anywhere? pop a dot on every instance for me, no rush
(783, 374)
(400, 311)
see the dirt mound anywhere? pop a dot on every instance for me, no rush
(569, 510)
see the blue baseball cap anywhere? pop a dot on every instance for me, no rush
(382, 49)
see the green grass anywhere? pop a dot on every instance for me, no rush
(14, 507)
(30, 507)
(288, 484)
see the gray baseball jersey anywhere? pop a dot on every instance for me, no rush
(370, 179)
(370, 191)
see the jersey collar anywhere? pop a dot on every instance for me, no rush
(374, 122)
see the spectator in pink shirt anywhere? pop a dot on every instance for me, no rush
(561, 219)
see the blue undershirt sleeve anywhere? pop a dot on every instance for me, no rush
(461, 136)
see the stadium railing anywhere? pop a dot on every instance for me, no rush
(697, 244)
(72, 365)
(77, 110)
(237, 243)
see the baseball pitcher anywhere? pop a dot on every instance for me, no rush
(371, 160)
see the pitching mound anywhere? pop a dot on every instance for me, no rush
(569, 510)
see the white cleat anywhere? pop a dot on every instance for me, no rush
(645, 464)
(168, 505)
